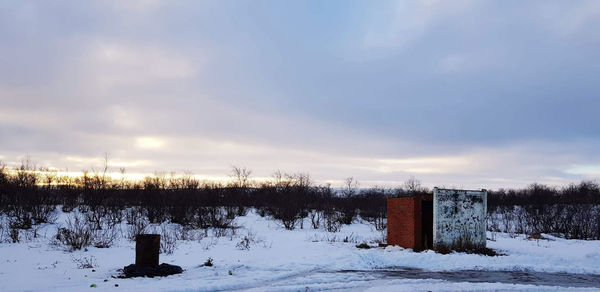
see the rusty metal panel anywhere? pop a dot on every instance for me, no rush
(147, 247)
(459, 218)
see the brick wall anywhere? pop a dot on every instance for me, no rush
(404, 222)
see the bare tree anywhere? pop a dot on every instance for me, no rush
(279, 179)
(412, 184)
(26, 175)
(3, 173)
(300, 179)
(240, 176)
(315, 218)
(349, 187)
(104, 170)
(122, 171)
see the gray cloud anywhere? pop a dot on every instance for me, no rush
(479, 93)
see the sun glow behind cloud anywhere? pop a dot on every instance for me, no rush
(149, 142)
(211, 160)
(116, 177)
(96, 161)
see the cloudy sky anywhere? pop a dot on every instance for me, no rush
(474, 94)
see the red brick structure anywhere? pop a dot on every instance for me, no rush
(410, 221)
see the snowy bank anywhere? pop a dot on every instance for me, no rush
(280, 259)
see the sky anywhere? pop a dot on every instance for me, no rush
(468, 94)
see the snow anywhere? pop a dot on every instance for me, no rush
(283, 260)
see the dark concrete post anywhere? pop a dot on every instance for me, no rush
(147, 247)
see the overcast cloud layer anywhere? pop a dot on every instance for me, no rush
(471, 94)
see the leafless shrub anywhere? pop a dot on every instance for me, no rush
(376, 217)
(42, 213)
(382, 238)
(137, 227)
(261, 211)
(209, 242)
(168, 240)
(350, 238)
(114, 216)
(380, 223)
(85, 262)
(244, 243)
(520, 221)
(95, 215)
(288, 220)
(572, 221)
(19, 217)
(290, 213)
(334, 237)
(223, 232)
(4, 228)
(231, 212)
(492, 225)
(465, 244)
(188, 233)
(76, 235)
(289, 202)
(217, 217)
(508, 219)
(332, 221)
(247, 240)
(315, 219)
(104, 238)
(134, 214)
(32, 233)
(14, 235)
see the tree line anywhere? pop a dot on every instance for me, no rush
(30, 196)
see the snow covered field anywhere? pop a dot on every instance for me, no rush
(283, 260)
